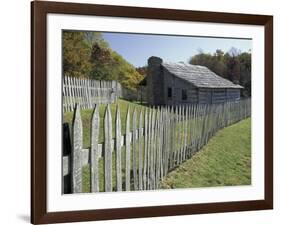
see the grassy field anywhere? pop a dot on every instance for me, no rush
(224, 161)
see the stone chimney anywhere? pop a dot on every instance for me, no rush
(154, 61)
(154, 81)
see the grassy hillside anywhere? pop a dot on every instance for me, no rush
(224, 161)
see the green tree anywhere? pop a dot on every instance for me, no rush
(75, 54)
(233, 69)
(233, 65)
(245, 72)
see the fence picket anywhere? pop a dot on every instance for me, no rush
(118, 150)
(161, 147)
(152, 155)
(140, 148)
(107, 150)
(68, 87)
(94, 163)
(157, 149)
(64, 94)
(135, 149)
(77, 134)
(167, 129)
(128, 151)
(145, 149)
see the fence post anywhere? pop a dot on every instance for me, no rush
(183, 157)
(69, 87)
(145, 149)
(167, 129)
(152, 149)
(135, 150)
(77, 135)
(66, 187)
(64, 96)
(107, 150)
(149, 148)
(158, 148)
(128, 150)
(140, 139)
(118, 150)
(73, 91)
(94, 154)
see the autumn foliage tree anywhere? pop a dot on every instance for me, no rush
(88, 55)
(75, 55)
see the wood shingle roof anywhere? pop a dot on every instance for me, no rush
(199, 76)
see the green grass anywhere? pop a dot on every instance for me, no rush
(224, 161)
(87, 114)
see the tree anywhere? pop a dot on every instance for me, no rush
(245, 72)
(214, 62)
(233, 69)
(101, 62)
(142, 70)
(75, 55)
(87, 54)
(233, 65)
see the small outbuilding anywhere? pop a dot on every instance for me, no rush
(183, 83)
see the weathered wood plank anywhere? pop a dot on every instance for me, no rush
(118, 149)
(94, 161)
(149, 149)
(64, 96)
(161, 147)
(70, 92)
(152, 155)
(128, 151)
(168, 142)
(158, 156)
(135, 150)
(77, 134)
(180, 137)
(171, 136)
(145, 149)
(140, 148)
(107, 150)
(183, 153)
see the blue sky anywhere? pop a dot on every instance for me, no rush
(137, 48)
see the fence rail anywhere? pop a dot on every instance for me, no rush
(155, 141)
(87, 93)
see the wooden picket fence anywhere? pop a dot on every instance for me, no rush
(87, 93)
(156, 140)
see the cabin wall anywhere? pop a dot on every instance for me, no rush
(218, 95)
(178, 85)
(233, 94)
(204, 95)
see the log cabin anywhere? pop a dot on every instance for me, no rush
(183, 83)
